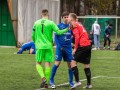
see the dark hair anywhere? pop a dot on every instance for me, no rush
(73, 15)
(110, 25)
(45, 12)
(65, 14)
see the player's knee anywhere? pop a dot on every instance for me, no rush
(57, 63)
(86, 66)
(73, 63)
(38, 63)
(47, 64)
(69, 64)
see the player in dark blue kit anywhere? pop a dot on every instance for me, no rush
(107, 36)
(63, 50)
(27, 46)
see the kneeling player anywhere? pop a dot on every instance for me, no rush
(81, 51)
(27, 46)
(63, 49)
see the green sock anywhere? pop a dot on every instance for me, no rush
(47, 74)
(40, 70)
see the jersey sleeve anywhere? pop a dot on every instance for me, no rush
(57, 30)
(56, 41)
(77, 37)
(106, 31)
(33, 33)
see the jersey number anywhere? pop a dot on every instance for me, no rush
(42, 23)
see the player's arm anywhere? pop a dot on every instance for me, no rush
(77, 37)
(20, 50)
(57, 30)
(56, 41)
(32, 49)
(92, 28)
(106, 31)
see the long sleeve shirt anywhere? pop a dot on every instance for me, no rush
(81, 36)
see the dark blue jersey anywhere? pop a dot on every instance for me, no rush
(65, 39)
(26, 46)
(108, 31)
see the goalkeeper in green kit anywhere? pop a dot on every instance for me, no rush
(42, 37)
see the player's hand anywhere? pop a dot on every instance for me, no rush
(73, 24)
(73, 52)
(107, 35)
(70, 27)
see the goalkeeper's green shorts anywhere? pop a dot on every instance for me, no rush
(44, 55)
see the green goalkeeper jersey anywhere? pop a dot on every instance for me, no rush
(43, 31)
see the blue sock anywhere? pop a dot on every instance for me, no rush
(70, 76)
(54, 68)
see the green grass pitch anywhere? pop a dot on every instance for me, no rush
(18, 72)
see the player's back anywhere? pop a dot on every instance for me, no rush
(43, 33)
(27, 46)
(96, 28)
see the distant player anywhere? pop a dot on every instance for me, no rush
(81, 51)
(107, 35)
(96, 34)
(42, 37)
(27, 46)
(63, 50)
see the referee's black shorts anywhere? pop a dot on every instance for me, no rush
(83, 55)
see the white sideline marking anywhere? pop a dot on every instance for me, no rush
(108, 77)
(64, 84)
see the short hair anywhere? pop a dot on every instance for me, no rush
(45, 12)
(110, 25)
(73, 15)
(65, 14)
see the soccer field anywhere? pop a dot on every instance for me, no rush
(18, 72)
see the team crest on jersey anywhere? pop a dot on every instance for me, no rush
(56, 56)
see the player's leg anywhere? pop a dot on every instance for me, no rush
(67, 56)
(53, 72)
(39, 59)
(70, 73)
(47, 73)
(109, 41)
(86, 61)
(98, 42)
(48, 60)
(88, 75)
(95, 42)
(74, 65)
(105, 40)
(58, 59)
(76, 73)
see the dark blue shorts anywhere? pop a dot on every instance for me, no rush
(65, 53)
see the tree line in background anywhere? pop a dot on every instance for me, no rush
(91, 7)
